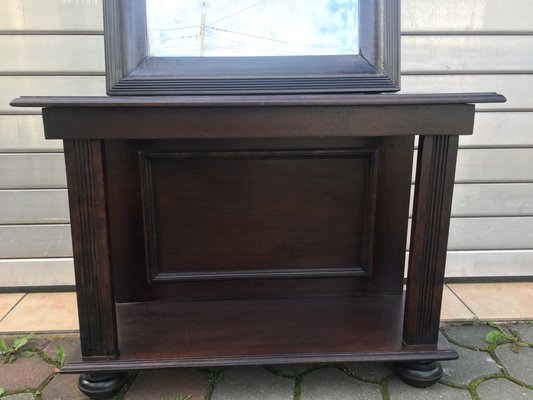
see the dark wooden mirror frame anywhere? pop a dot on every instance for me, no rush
(130, 70)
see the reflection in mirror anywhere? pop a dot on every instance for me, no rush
(224, 28)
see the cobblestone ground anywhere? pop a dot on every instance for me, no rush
(500, 369)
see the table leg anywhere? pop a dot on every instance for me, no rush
(435, 174)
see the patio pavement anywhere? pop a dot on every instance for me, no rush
(502, 369)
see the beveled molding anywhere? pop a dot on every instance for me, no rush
(130, 70)
(153, 271)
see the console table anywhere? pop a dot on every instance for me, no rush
(239, 230)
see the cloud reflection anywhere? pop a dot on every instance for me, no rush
(252, 27)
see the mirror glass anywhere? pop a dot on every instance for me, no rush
(225, 28)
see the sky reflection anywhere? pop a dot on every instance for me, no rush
(252, 27)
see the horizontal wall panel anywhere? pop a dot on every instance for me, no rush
(461, 54)
(501, 129)
(467, 15)
(51, 15)
(491, 233)
(494, 165)
(25, 171)
(504, 165)
(511, 86)
(35, 241)
(469, 264)
(48, 206)
(37, 272)
(511, 199)
(15, 86)
(491, 200)
(52, 54)
(25, 133)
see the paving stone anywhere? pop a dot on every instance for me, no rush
(70, 343)
(401, 391)
(471, 365)
(63, 387)
(164, 384)
(371, 371)
(35, 343)
(292, 369)
(519, 365)
(525, 331)
(24, 373)
(19, 396)
(498, 389)
(332, 384)
(469, 335)
(252, 383)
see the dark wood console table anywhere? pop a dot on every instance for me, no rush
(237, 230)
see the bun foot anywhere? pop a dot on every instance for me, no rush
(419, 374)
(102, 386)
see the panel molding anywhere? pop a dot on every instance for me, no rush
(150, 221)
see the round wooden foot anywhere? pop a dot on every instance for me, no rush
(419, 374)
(102, 386)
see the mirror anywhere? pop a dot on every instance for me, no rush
(251, 47)
(226, 28)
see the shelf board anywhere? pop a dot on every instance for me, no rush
(254, 332)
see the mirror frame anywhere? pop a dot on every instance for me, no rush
(130, 70)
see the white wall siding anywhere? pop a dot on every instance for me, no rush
(55, 47)
(50, 47)
(513, 86)
(52, 54)
(447, 54)
(501, 129)
(37, 272)
(481, 45)
(467, 16)
(35, 241)
(25, 133)
(48, 206)
(30, 170)
(15, 86)
(44, 16)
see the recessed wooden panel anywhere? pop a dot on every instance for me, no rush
(391, 163)
(258, 213)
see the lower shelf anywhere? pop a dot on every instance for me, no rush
(255, 332)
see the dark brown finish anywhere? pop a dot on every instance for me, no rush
(254, 101)
(258, 213)
(263, 230)
(88, 220)
(102, 386)
(435, 173)
(256, 122)
(420, 374)
(130, 70)
(280, 331)
(198, 187)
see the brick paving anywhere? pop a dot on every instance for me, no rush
(485, 371)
